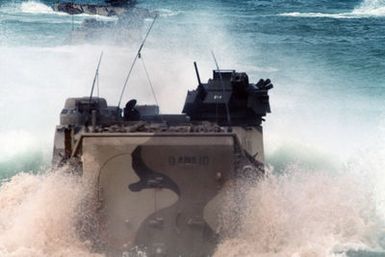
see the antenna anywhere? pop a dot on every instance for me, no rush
(138, 55)
(96, 77)
(149, 82)
(223, 89)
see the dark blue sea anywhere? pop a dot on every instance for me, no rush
(324, 140)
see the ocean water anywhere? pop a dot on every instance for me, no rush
(324, 140)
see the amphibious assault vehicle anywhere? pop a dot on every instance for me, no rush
(161, 179)
(109, 8)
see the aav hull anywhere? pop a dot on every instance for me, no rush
(158, 192)
(161, 180)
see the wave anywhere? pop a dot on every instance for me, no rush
(36, 8)
(367, 9)
(320, 15)
(370, 8)
(33, 224)
(167, 12)
(302, 213)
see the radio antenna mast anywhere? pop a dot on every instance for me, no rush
(96, 77)
(138, 55)
(223, 90)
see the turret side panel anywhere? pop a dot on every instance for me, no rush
(155, 190)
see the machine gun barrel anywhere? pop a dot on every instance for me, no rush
(197, 72)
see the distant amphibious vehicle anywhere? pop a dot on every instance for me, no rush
(109, 8)
(161, 178)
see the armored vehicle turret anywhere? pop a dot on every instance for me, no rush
(229, 99)
(161, 179)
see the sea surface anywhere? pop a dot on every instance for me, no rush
(324, 140)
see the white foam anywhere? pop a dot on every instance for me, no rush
(33, 224)
(371, 8)
(98, 17)
(167, 12)
(320, 15)
(35, 7)
(367, 9)
(303, 213)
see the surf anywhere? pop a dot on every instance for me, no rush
(35, 8)
(32, 223)
(35, 11)
(367, 9)
(59, 72)
(304, 213)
